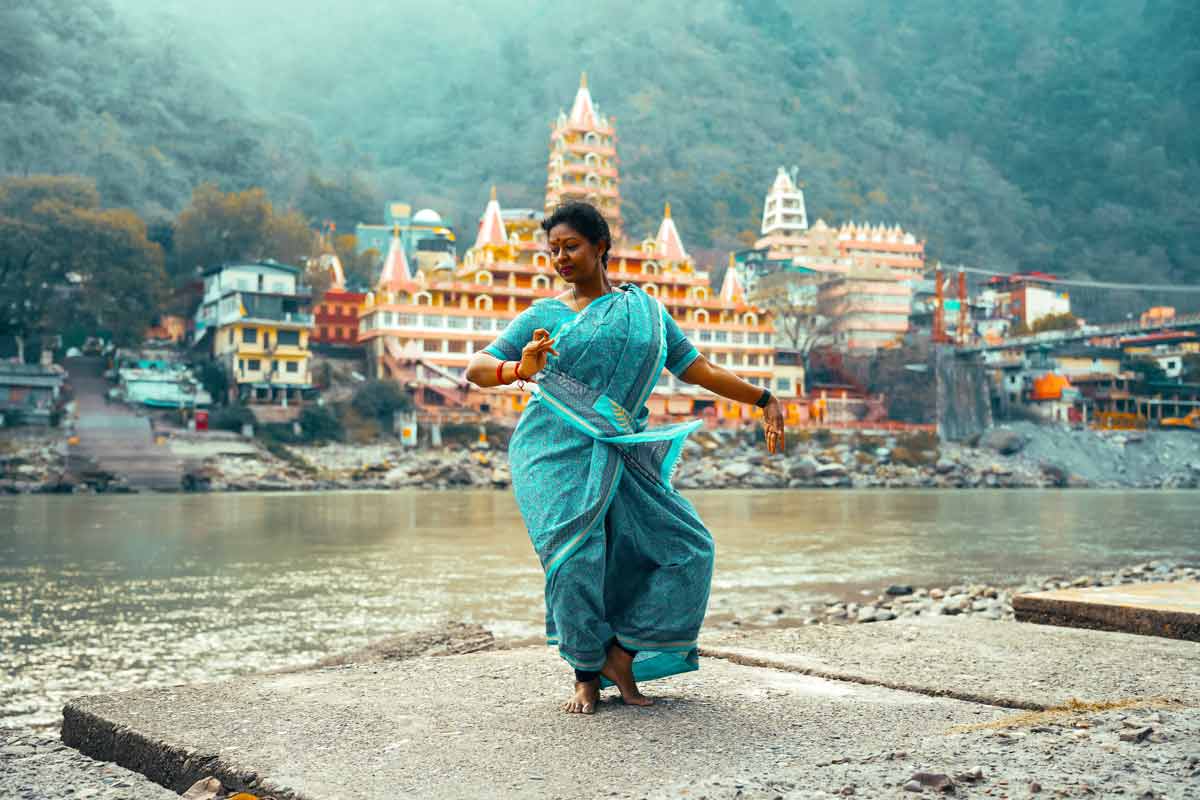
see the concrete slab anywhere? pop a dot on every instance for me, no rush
(1150, 609)
(489, 725)
(1007, 664)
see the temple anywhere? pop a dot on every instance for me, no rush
(858, 276)
(421, 325)
(583, 161)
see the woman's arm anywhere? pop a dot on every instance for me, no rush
(482, 368)
(723, 382)
(481, 371)
(719, 380)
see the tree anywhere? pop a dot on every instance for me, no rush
(1055, 322)
(220, 228)
(798, 325)
(378, 400)
(63, 257)
(360, 269)
(345, 203)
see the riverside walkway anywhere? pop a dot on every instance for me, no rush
(113, 439)
(931, 705)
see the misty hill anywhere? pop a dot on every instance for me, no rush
(1061, 135)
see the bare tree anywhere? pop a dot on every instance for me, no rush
(799, 326)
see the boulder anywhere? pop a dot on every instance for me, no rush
(1004, 442)
(738, 470)
(803, 468)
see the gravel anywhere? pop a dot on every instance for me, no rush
(41, 768)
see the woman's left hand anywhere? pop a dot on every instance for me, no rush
(773, 426)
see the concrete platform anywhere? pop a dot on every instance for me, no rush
(1010, 665)
(489, 725)
(1151, 609)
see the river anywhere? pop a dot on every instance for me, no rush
(105, 593)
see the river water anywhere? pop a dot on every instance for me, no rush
(106, 593)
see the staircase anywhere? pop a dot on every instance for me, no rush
(115, 445)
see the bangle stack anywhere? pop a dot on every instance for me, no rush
(518, 378)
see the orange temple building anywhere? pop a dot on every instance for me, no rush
(422, 327)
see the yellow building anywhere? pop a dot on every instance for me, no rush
(257, 319)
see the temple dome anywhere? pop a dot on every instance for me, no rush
(427, 216)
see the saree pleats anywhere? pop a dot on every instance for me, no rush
(626, 556)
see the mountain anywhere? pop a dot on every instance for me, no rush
(1062, 135)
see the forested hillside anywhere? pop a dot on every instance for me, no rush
(1061, 135)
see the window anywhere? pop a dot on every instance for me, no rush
(293, 366)
(783, 384)
(481, 323)
(754, 338)
(288, 338)
(341, 333)
(432, 345)
(752, 360)
(720, 336)
(231, 335)
(457, 346)
(737, 337)
(249, 335)
(456, 323)
(406, 320)
(241, 365)
(253, 365)
(705, 335)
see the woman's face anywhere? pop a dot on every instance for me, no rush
(573, 256)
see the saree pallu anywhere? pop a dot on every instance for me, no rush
(625, 555)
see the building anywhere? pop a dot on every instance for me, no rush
(1025, 297)
(335, 323)
(30, 394)
(255, 320)
(1167, 349)
(867, 309)
(583, 163)
(785, 219)
(424, 235)
(786, 235)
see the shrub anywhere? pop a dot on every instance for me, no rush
(913, 458)
(231, 418)
(865, 443)
(320, 424)
(379, 400)
(918, 440)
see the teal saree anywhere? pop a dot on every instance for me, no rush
(625, 555)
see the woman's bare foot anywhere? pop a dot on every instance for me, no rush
(618, 668)
(587, 695)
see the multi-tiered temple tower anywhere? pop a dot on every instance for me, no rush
(583, 160)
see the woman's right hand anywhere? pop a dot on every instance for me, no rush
(535, 354)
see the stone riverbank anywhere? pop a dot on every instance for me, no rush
(1021, 455)
(1142, 746)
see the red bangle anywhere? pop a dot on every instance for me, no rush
(499, 370)
(517, 371)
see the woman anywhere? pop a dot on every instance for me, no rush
(628, 562)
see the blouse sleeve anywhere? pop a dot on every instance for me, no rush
(508, 345)
(680, 352)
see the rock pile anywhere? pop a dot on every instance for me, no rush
(984, 600)
(33, 461)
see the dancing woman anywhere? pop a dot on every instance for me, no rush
(628, 562)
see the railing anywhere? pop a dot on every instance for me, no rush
(1088, 332)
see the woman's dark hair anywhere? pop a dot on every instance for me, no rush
(586, 220)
